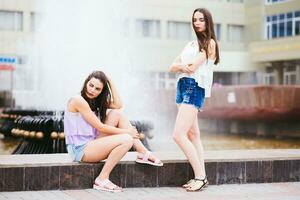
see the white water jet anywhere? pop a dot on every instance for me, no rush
(74, 38)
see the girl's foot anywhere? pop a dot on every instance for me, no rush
(197, 184)
(148, 158)
(188, 183)
(106, 185)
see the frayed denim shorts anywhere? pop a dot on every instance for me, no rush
(188, 92)
(76, 151)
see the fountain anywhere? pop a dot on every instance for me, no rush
(73, 38)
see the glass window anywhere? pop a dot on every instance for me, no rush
(235, 1)
(282, 25)
(268, 32)
(165, 80)
(281, 16)
(172, 75)
(179, 30)
(269, 78)
(235, 33)
(218, 31)
(161, 74)
(281, 29)
(289, 28)
(274, 30)
(297, 28)
(289, 15)
(274, 1)
(274, 18)
(35, 19)
(11, 21)
(148, 28)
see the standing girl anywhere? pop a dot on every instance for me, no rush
(195, 68)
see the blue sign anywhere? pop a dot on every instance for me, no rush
(8, 60)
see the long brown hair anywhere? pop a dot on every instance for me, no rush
(100, 104)
(204, 38)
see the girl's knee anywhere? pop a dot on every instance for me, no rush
(127, 140)
(192, 136)
(176, 137)
(116, 113)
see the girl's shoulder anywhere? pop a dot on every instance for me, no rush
(212, 44)
(192, 43)
(212, 49)
(77, 99)
(75, 103)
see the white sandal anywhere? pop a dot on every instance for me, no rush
(145, 159)
(106, 185)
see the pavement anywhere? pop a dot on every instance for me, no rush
(262, 191)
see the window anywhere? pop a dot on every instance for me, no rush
(165, 80)
(148, 28)
(235, 1)
(11, 20)
(179, 30)
(217, 28)
(297, 28)
(161, 75)
(35, 19)
(282, 25)
(290, 75)
(269, 78)
(235, 33)
(274, 1)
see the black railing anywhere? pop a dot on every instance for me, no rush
(43, 131)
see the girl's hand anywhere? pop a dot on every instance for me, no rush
(188, 68)
(133, 132)
(185, 69)
(191, 68)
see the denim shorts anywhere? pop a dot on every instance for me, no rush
(188, 92)
(76, 152)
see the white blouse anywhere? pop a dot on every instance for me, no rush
(204, 74)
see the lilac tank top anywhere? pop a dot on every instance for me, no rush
(77, 130)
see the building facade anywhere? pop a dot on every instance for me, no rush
(259, 39)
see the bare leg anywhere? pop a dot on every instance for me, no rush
(116, 118)
(111, 147)
(194, 137)
(184, 121)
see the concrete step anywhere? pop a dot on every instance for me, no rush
(57, 171)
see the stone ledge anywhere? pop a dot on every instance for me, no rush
(57, 171)
(167, 157)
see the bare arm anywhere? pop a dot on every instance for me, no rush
(78, 104)
(201, 57)
(116, 102)
(177, 66)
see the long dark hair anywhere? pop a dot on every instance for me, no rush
(100, 104)
(204, 38)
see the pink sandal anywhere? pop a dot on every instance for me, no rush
(106, 185)
(145, 159)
